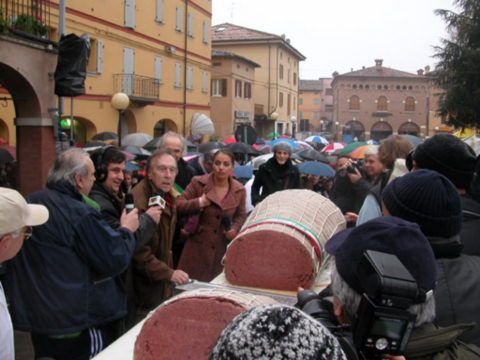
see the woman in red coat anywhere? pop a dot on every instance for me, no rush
(221, 206)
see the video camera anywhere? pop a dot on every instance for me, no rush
(382, 324)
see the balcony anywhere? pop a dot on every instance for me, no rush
(28, 19)
(142, 90)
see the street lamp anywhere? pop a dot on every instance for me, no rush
(120, 102)
(336, 130)
(274, 116)
(293, 120)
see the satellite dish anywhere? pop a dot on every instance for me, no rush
(202, 125)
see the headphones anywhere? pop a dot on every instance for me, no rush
(101, 169)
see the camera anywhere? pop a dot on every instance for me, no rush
(352, 169)
(382, 324)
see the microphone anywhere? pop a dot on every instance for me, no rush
(129, 205)
(156, 201)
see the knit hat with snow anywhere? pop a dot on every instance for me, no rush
(276, 332)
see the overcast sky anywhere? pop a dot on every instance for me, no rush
(338, 35)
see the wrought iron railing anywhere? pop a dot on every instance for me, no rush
(26, 17)
(136, 86)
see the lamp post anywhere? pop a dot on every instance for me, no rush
(274, 116)
(336, 130)
(120, 102)
(293, 120)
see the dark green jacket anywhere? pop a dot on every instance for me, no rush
(430, 342)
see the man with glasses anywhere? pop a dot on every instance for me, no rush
(16, 219)
(153, 272)
(62, 285)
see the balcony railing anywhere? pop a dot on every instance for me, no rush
(29, 18)
(138, 88)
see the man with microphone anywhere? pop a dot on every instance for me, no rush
(153, 272)
(107, 192)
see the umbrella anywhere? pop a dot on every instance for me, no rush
(293, 143)
(243, 171)
(317, 139)
(137, 139)
(93, 143)
(336, 146)
(208, 147)
(132, 166)
(310, 154)
(316, 168)
(273, 135)
(415, 140)
(230, 140)
(106, 135)
(260, 141)
(5, 156)
(304, 145)
(359, 153)
(139, 152)
(285, 136)
(241, 148)
(350, 147)
(264, 149)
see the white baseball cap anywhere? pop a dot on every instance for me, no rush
(15, 213)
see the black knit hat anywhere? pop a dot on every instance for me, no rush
(276, 332)
(449, 156)
(428, 199)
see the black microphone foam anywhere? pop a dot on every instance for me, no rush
(129, 205)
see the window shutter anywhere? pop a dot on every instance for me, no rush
(205, 32)
(224, 87)
(189, 78)
(100, 56)
(130, 14)
(178, 75)
(160, 11)
(190, 24)
(204, 81)
(159, 69)
(179, 23)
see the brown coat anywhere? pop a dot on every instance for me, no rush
(203, 252)
(152, 262)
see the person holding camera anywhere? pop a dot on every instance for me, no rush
(349, 187)
(382, 284)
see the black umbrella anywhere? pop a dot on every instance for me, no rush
(310, 154)
(139, 152)
(207, 147)
(92, 143)
(153, 144)
(5, 156)
(106, 135)
(241, 148)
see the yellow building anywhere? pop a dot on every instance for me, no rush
(157, 52)
(276, 80)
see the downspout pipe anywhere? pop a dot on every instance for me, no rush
(185, 58)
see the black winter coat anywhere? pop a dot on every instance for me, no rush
(470, 226)
(271, 177)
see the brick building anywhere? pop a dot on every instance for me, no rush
(315, 105)
(377, 101)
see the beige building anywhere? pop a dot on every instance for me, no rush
(156, 52)
(374, 102)
(232, 94)
(315, 105)
(276, 80)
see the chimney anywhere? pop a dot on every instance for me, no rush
(420, 72)
(378, 63)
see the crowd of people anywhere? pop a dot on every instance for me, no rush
(91, 269)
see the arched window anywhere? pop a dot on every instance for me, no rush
(410, 104)
(382, 103)
(380, 130)
(354, 103)
(409, 128)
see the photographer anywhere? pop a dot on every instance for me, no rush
(349, 187)
(404, 240)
